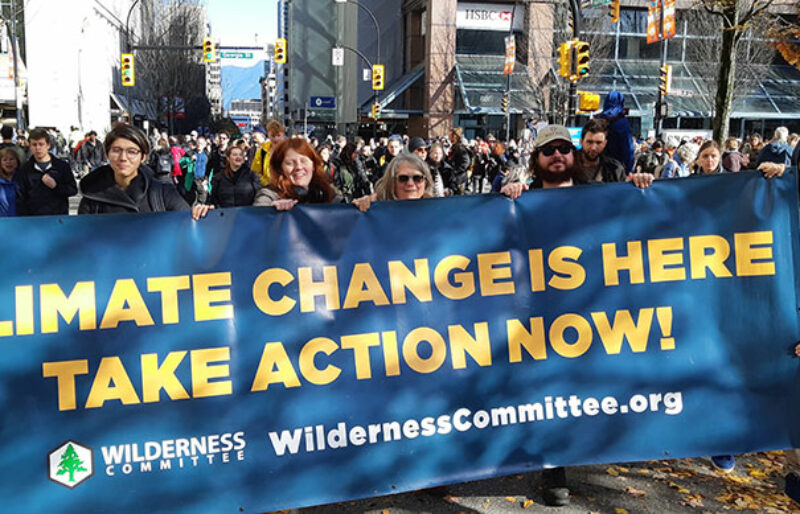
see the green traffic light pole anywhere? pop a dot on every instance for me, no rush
(575, 9)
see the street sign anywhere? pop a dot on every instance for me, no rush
(337, 56)
(366, 74)
(322, 102)
(236, 55)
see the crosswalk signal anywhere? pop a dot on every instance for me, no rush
(564, 64)
(665, 79)
(126, 68)
(280, 50)
(377, 77)
(209, 52)
(504, 103)
(376, 110)
(582, 58)
(613, 11)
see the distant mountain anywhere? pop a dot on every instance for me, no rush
(239, 83)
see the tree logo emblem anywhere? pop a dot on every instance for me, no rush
(70, 464)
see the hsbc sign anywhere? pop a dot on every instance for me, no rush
(497, 17)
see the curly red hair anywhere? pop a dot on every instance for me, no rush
(282, 184)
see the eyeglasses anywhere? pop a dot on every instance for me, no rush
(131, 153)
(418, 179)
(564, 149)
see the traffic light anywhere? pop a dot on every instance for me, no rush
(377, 77)
(128, 76)
(504, 103)
(209, 52)
(588, 102)
(376, 110)
(564, 61)
(582, 58)
(280, 50)
(613, 11)
(665, 79)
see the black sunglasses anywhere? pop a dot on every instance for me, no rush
(405, 178)
(564, 149)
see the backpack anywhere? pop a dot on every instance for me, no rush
(344, 181)
(164, 165)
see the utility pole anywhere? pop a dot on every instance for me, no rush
(575, 9)
(508, 80)
(659, 119)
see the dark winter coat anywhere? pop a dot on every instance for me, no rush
(610, 169)
(238, 190)
(460, 159)
(101, 195)
(777, 152)
(35, 198)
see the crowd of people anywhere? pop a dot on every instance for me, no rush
(130, 172)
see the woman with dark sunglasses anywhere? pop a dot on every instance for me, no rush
(407, 177)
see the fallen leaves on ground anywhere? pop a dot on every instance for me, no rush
(620, 511)
(527, 503)
(635, 492)
(510, 499)
(693, 500)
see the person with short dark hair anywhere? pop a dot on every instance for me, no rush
(594, 165)
(90, 155)
(126, 184)
(45, 182)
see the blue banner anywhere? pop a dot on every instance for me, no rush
(258, 360)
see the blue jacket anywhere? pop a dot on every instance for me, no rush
(777, 152)
(200, 165)
(8, 198)
(620, 143)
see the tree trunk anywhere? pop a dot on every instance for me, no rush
(723, 102)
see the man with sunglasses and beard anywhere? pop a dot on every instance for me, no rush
(553, 164)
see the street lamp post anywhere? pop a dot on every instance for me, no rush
(377, 47)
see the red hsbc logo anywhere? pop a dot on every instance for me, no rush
(506, 16)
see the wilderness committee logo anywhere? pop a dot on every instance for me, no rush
(70, 464)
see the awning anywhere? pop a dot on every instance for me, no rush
(396, 88)
(132, 106)
(771, 95)
(481, 86)
(118, 104)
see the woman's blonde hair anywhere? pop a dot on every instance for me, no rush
(385, 188)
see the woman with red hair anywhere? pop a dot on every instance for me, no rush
(296, 176)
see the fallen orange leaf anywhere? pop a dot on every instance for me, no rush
(527, 503)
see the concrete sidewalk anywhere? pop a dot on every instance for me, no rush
(683, 485)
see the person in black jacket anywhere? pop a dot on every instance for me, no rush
(460, 159)
(45, 182)
(126, 185)
(237, 185)
(594, 166)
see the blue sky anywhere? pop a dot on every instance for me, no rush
(235, 22)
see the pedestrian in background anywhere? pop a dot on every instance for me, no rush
(45, 182)
(778, 150)
(90, 154)
(620, 142)
(732, 159)
(9, 164)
